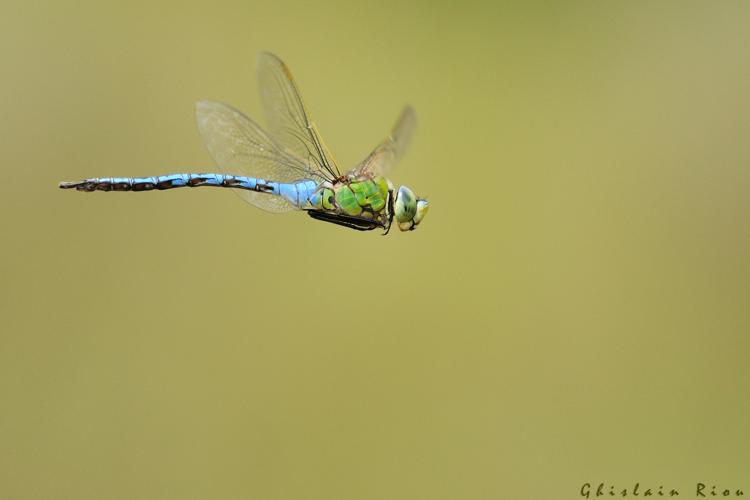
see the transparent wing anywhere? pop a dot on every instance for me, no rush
(288, 120)
(239, 146)
(385, 156)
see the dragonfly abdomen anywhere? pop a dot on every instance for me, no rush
(166, 182)
(297, 193)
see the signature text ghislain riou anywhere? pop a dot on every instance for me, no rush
(701, 490)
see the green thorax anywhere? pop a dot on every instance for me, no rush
(365, 197)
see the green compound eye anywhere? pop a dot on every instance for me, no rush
(406, 205)
(409, 210)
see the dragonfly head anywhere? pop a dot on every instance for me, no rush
(409, 210)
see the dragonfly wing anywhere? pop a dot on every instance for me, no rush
(288, 119)
(239, 146)
(385, 156)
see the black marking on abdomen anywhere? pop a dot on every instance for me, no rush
(144, 186)
(197, 181)
(231, 182)
(166, 185)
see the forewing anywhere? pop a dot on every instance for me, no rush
(239, 146)
(288, 119)
(385, 156)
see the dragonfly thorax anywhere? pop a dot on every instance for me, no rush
(365, 199)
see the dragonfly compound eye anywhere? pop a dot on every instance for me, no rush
(406, 205)
(408, 209)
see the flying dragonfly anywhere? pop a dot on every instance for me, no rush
(290, 167)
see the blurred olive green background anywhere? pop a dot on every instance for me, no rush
(574, 308)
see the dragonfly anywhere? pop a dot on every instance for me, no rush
(289, 167)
